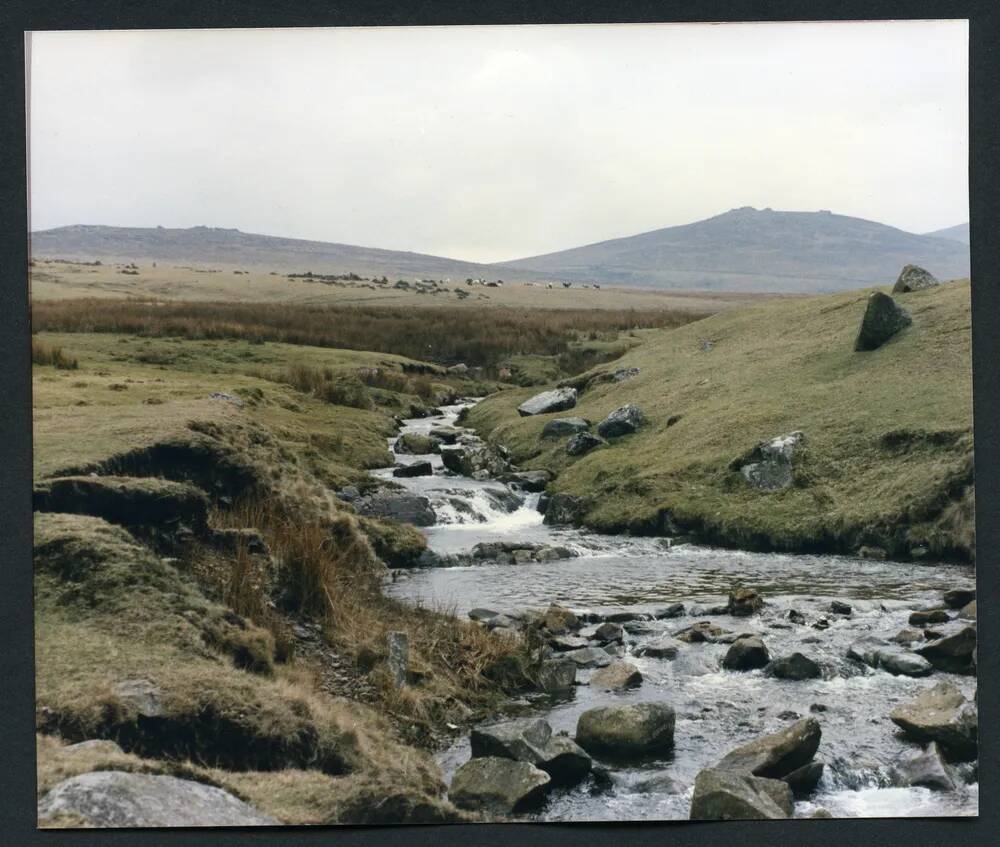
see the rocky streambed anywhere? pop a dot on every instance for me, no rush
(823, 659)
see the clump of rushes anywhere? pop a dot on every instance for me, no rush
(49, 354)
(325, 384)
(327, 569)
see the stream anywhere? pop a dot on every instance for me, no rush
(716, 710)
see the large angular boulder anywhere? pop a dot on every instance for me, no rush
(636, 729)
(556, 400)
(746, 654)
(722, 795)
(883, 318)
(769, 466)
(530, 481)
(924, 768)
(533, 741)
(795, 667)
(116, 799)
(608, 632)
(128, 501)
(589, 657)
(617, 676)
(914, 278)
(777, 755)
(622, 421)
(559, 427)
(953, 652)
(398, 506)
(582, 443)
(941, 714)
(499, 786)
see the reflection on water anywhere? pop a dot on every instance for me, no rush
(716, 710)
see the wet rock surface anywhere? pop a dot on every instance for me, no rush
(634, 729)
(499, 786)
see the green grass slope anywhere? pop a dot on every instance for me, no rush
(887, 459)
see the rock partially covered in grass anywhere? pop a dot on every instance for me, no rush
(556, 400)
(129, 501)
(498, 786)
(583, 443)
(117, 799)
(883, 318)
(914, 278)
(769, 466)
(721, 795)
(633, 730)
(560, 427)
(622, 421)
(941, 714)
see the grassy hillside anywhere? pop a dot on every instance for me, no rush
(887, 459)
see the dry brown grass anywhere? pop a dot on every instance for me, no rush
(446, 334)
(50, 354)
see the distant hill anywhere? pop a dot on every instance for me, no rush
(758, 250)
(741, 250)
(955, 233)
(213, 246)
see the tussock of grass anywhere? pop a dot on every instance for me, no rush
(888, 451)
(48, 354)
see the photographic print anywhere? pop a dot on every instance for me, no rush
(502, 423)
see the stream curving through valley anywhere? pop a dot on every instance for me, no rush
(716, 709)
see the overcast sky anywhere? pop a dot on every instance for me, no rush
(492, 143)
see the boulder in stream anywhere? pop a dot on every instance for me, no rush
(398, 506)
(556, 676)
(475, 459)
(565, 509)
(498, 786)
(941, 714)
(416, 444)
(956, 598)
(534, 742)
(923, 617)
(777, 755)
(413, 469)
(924, 768)
(556, 400)
(722, 795)
(530, 481)
(617, 676)
(953, 651)
(794, 667)
(744, 602)
(881, 655)
(664, 647)
(746, 653)
(635, 729)
(589, 657)
(608, 632)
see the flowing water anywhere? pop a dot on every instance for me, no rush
(716, 710)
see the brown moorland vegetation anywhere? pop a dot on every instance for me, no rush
(444, 335)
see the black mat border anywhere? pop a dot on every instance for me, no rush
(17, 792)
